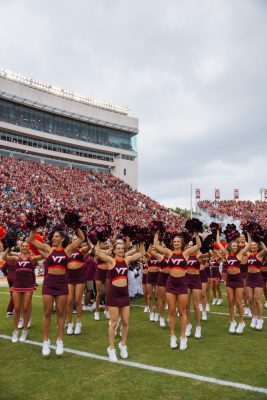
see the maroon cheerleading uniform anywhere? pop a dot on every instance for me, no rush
(24, 278)
(254, 279)
(244, 270)
(233, 280)
(78, 275)
(153, 271)
(144, 276)
(264, 271)
(164, 272)
(9, 270)
(54, 284)
(193, 280)
(101, 273)
(177, 285)
(215, 269)
(118, 296)
(203, 273)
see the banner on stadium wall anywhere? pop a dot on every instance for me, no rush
(197, 194)
(217, 194)
(236, 194)
(265, 194)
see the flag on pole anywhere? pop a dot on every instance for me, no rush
(197, 194)
(236, 194)
(217, 194)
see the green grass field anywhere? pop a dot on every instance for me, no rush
(26, 375)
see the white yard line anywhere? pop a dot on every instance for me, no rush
(167, 371)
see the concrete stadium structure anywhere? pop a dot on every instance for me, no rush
(50, 124)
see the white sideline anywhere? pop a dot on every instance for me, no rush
(155, 369)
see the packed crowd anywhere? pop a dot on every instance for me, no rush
(100, 198)
(239, 210)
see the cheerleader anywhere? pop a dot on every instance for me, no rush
(216, 276)
(22, 287)
(264, 275)
(76, 276)
(144, 277)
(234, 281)
(176, 288)
(118, 297)
(55, 284)
(151, 284)
(101, 282)
(255, 283)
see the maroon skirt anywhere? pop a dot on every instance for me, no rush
(76, 276)
(255, 280)
(162, 279)
(101, 275)
(208, 273)
(234, 281)
(118, 296)
(55, 285)
(176, 286)
(193, 281)
(264, 275)
(144, 276)
(24, 282)
(203, 276)
(215, 274)
(152, 278)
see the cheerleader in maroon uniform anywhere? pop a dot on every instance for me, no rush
(255, 283)
(144, 277)
(194, 291)
(176, 288)
(264, 275)
(55, 284)
(234, 281)
(76, 275)
(215, 260)
(118, 297)
(22, 287)
(151, 284)
(9, 270)
(204, 288)
(100, 283)
(244, 273)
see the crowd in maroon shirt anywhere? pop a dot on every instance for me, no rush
(101, 198)
(239, 210)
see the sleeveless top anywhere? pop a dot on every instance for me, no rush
(232, 262)
(57, 259)
(76, 256)
(177, 261)
(24, 265)
(120, 270)
(193, 263)
(164, 264)
(253, 261)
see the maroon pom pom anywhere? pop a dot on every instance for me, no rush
(194, 225)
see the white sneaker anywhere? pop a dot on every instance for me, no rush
(96, 316)
(240, 328)
(253, 322)
(124, 350)
(214, 301)
(29, 323)
(166, 307)
(219, 302)
(23, 336)
(173, 342)
(183, 343)
(207, 307)
(15, 336)
(249, 313)
(259, 324)
(204, 316)
(85, 308)
(232, 327)
(78, 328)
(59, 348)
(198, 332)
(20, 324)
(9, 314)
(265, 305)
(146, 309)
(46, 348)
(70, 328)
(151, 316)
(156, 317)
(200, 307)
(188, 330)
(162, 323)
(112, 354)
(106, 313)
(246, 310)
